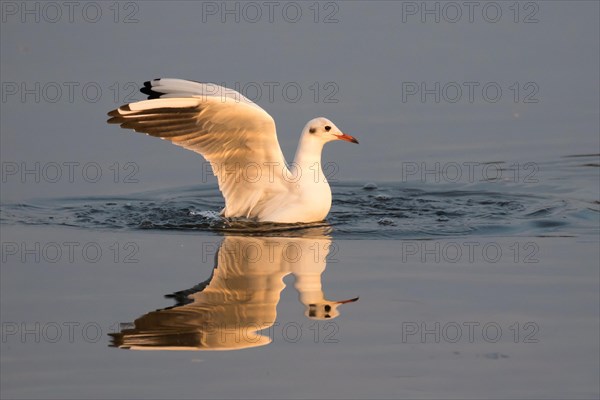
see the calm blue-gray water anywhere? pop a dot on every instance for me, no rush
(461, 255)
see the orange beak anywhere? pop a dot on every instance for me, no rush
(348, 138)
(349, 300)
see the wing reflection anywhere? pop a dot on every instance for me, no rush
(228, 311)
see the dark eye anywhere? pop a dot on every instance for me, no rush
(327, 308)
(327, 128)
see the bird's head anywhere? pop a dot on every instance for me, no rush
(325, 130)
(326, 309)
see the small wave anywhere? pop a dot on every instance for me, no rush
(372, 211)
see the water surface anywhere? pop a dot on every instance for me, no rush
(483, 284)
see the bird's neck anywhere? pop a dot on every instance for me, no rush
(309, 289)
(308, 156)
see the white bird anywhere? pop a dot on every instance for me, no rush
(239, 140)
(240, 299)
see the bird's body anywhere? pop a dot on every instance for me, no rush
(239, 139)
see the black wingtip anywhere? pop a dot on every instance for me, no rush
(147, 90)
(149, 83)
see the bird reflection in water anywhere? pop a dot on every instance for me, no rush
(228, 311)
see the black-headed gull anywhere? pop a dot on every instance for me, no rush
(239, 140)
(240, 299)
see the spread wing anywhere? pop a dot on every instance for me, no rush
(234, 134)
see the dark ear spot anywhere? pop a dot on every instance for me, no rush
(312, 130)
